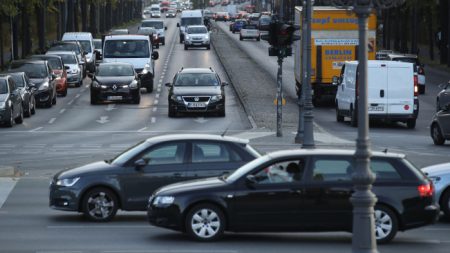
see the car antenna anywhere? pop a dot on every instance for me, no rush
(385, 150)
(225, 131)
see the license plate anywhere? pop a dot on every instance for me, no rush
(196, 105)
(114, 97)
(376, 108)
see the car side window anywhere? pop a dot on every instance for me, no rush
(290, 171)
(213, 152)
(325, 169)
(170, 153)
(384, 170)
(12, 85)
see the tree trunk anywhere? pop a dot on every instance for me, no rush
(108, 16)
(15, 36)
(26, 36)
(447, 20)
(443, 6)
(70, 13)
(404, 31)
(76, 12)
(397, 23)
(84, 22)
(414, 25)
(92, 19)
(2, 63)
(429, 18)
(102, 18)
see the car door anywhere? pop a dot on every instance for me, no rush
(444, 122)
(381, 97)
(272, 201)
(15, 97)
(444, 96)
(162, 164)
(212, 158)
(327, 192)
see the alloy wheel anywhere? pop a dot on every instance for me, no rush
(205, 223)
(100, 205)
(386, 224)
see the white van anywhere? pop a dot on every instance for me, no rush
(87, 42)
(392, 92)
(159, 27)
(133, 49)
(155, 11)
(188, 18)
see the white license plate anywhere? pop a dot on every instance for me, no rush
(196, 105)
(376, 108)
(114, 97)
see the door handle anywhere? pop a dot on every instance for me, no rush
(177, 174)
(382, 93)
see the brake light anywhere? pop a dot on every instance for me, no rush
(425, 190)
(416, 86)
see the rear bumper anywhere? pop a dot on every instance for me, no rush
(428, 215)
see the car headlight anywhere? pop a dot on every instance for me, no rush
(207, 37)
(2, 105)
(187, 36)
(146, 69)
(73, 71)
(163, 200)
(177, 98)
(95, 84)
(133, 84)
(435, 179)
(216, 98)
(89, 58)
(44, 86)
(67, 181)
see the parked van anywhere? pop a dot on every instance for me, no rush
(159, 27)
(133, 49)
(392, 92)
(189, 17)
(87, 42)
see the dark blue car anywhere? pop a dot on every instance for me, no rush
(237, 25)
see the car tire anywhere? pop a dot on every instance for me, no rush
(19, 119)
(157, 45)
(54, 100)
(164, 42)
(172, 113)
(136, 100)
(93, 99)
(240, 38)
(258, 39)
(185, 47)
(222, 113)
(438, 105)
(27, 112)
(205, 222)
(208, 47)
(436, 135)
(33, 108)
(386, 224)
(149, 87)
(10, 122)
(100, 204)
(411, 123)
(181, 39)
(353, 117)
(339, 117)
(49, 103)
(445, 203)
(64, 93)
(79, 83)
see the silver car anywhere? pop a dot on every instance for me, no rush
(440, 175)
(196, 36)
(443, 97)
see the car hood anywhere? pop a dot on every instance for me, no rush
(437, 170)
(138, 63)
(110, 80)
(3, 97)
(197, 91)
(183, 187)
(85, 170)
(38, 81)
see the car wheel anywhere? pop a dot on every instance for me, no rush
(64, 92)
(33, 108)
(172, 112)
(354, 117)
(205, 222)
(19, 119)
(436, 135)
(136, 100)
(93, 99)
(445, 203)
(10, 122)
(100, 204)
(181, 39)
(339, 117)
(258, 39)
(164, 42)
(54, 100)
(27, 112)
(240, 38)
(386, 224)
(222, 113)
(49, 104)
(185, 47)
(149, 88)
(208, 47)
(157, 45)
(411, 123)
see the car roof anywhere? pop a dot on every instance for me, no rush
(77, 35)
(212, 137)
(45, 56)
(197, 70)
(337, 152)
(60, 52)
(126, 36)
(394, 55)
(32, 61)
(152, 20)
(114, 63)
(194, 26)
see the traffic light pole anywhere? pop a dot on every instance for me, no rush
(280, 92)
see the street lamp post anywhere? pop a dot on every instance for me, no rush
(363, 199)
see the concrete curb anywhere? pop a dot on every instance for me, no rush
(8, 171)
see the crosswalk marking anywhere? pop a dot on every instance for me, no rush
(6, 186)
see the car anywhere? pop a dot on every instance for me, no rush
(249, 32)
(253, 19)
(125, 182)
(119, 31)
(197, 36)
(264, 22)
(222, 16)
(87, 42)
(152, 32)
(155, 11)
(440, 126)
(159, 26)
(443, 97)
(74, 46)
(208, 14)
(237, 25)
(419, 68)
(440, 175)
(26, 90)
(58, 69)
(383, 54)
(189, 17)
(11, 110)
(296, 191)
(115, 82)
(98, 47)
(40, 73)
(171, 13)
(72, 66)
(196, 90)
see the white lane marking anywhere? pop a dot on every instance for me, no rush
(7, 145)
(70, 102)
(157, 95)
(63, 145)
(142, 129)
(62, 111)
(91, 145)
(51, 120)
(156, 102)
(159, 89)
(77, 95)
(59, 251)
(34, 145)
(6, 186)
(103, 119)
(153, 120)
(36, 129)
(171, 251)
(160, 80)
(155, 108)
(163, 73)
(110, 107)
(162, 76)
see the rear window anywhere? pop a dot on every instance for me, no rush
(68, 58)
(3, 87)
(115, 70)
(197, 30)
(65, 47)
(155, 24)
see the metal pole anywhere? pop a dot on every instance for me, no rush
(301, 93)
(363, 199)
(308, 139)
(280, 93)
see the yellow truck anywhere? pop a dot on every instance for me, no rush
(334, 40)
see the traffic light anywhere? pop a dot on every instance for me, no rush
(272, 36)
(292, 36)
(286, 34)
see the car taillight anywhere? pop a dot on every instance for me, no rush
(416, 87)
(425, 190)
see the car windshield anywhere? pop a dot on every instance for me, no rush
(126, 49)
(18, 80)
(98, 44)
(197, 30)
(146, 30)
(196, 79)
(68, 58)
(191, 21)
(155, 24)
(65, 47)
(115, 70)
(246, 168)
(125, 156)
(3, 87)
(32, 70)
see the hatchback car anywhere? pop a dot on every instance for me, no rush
(196, 36)
(237, 25)
(10, 102)
(115, 82)
(72, 46)
(196, 90)
(440, 126)
(126, 181)
(171, 13)
(249, 32)
(27, 90)
(440, 175)
(58, 69)
(40, 73)
(222, 16)
(294, 191)
(72, 67)
(443, 97)
(152, 32)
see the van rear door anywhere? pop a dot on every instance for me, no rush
(400, 93)
(377, 88)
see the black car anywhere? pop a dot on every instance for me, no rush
(125, 182)
(294, 191)
(27, 90)
(115, 82)
(40, 73)
(440, 125)
(10, 102)
(196, 90)
(443, 97)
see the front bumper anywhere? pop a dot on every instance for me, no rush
(121, 94)
(64, 198)
(43, 96)
(184, 107)
(61, 85)
(421, 217)
(197, 43)
(166, 217)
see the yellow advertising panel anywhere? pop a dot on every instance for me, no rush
(339, 20)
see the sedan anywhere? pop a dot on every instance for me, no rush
(440, 175)
(10, 102)
(99, 189)
(440, 126)
(294, 191)
(115, 81)
(196, 90)
(443, 97)
(27, 90)
(249, 32)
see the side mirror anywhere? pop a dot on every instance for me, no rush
(140, 163)
(335, 80)
(251, 180)
(90, 75)
(178, 24)
(155, 55)
(446, 107)
(66, 67)
(225, 83)
(168, 85)
(165, 28)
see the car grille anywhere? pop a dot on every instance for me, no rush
(197, 38)
(196, 98)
